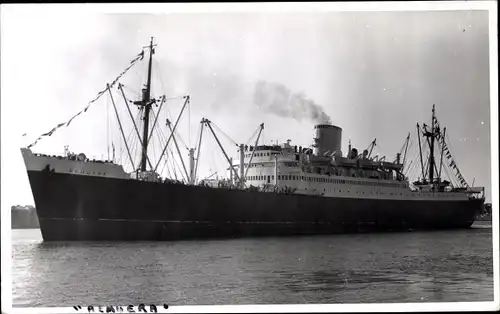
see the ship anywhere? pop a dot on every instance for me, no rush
(269, 190)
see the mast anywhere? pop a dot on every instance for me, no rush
(431, 156)
(442, 153)
(146, 102)
(191, 166)
(242, 165)
(371, 149)
(420, 149)
(405, 146)
(230, 161)
(198, 151)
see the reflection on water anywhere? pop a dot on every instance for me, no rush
(394, 267)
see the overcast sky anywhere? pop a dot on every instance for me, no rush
(374, 74)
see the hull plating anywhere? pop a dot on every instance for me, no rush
(85, 208)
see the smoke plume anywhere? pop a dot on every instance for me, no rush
(277, 99)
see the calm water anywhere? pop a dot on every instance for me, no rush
(403, 267)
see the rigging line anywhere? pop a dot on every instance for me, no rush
(179, 156)
(189, 125)
(138, 144)
(167, 170)
(128, 138)
(133, 121)
(168, 164)
(160, 78)
(408, 168)
(156, 117)
(198, 148)
(108, 87)
(447, 173)
(118, 118)
(453, 177)
(151, 138)
(416, 156)
(184, 178)
(176, 133)
(407, 173)
(251, 137)
(168, 154)
(107, 125)
(197, 134)
(134, 147)
(172, 160)
(175, 125)
(407, 150)
(153, 147)
(220, 130)
(165, 165)
(172, 163)
(132, 91)
(416, 159)
(448, 143)
(163, 137)
(445, 168)
(178, 150)
(221, 157)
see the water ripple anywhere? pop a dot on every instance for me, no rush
(405, 267)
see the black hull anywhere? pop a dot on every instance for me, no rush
(85, 208)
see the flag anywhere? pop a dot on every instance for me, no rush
(141, 55)
(67, 124)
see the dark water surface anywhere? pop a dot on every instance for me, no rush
(434, 266)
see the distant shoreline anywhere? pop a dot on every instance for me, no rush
(24, 217)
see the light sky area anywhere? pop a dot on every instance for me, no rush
(375, 74)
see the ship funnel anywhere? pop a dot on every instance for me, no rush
(328, 138)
